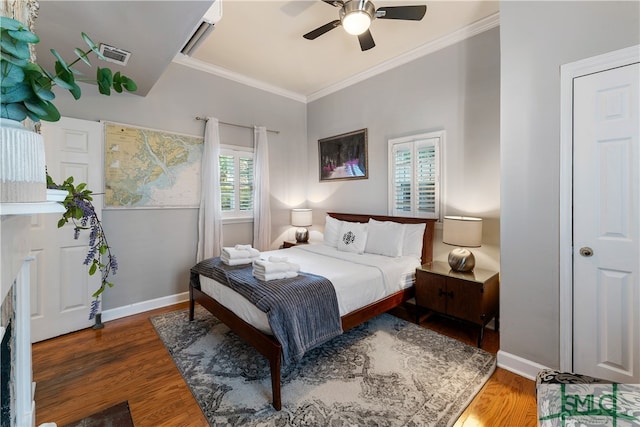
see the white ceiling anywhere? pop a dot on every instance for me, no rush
(256, 42)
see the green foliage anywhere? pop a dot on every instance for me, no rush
(25, 87)
(80, 211)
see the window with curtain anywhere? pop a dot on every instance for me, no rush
(414, 178)
(236, 182)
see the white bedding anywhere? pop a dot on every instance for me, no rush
(359, 279)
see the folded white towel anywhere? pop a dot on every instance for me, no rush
(232, 253)
(267, 267)
(278, 258)
(236, 261)
(275, 276)
(242, 247)
(254, 253)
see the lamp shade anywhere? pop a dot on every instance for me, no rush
(462, 231)
(301, 217)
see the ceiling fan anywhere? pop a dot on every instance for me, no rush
(356, 16)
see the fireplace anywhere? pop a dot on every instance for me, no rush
(17, 403)
(8, 358)
(7, 392)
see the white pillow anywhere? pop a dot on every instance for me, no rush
(412, 242)
(331, 231)
(353, 237)
(384, 238)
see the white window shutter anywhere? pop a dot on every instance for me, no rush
(402, 178)
(236, 182)
(227, 182)
(414, 180)
(427, 180)
(245, 166)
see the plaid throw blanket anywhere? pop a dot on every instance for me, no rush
(302, 311)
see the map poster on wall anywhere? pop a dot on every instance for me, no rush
(146, 168)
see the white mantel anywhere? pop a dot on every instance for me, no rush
(14, 234)
(15, 225)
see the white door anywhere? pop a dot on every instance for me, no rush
(61, 287)
(606, 224)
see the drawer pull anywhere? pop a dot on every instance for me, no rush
(446, 294)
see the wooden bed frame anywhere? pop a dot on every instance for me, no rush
(269, 347)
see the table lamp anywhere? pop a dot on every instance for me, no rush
(464, 232)
(301, 218)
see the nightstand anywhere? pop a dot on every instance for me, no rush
(472, 297)
(291, 243)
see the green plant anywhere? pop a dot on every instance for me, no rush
(80, 211)
(25, 87)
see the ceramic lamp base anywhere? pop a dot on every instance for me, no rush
(461, 259)
(302, 235)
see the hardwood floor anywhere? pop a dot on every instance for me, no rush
(90, 370)
(87, 371)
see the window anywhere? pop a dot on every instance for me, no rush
(236, 182)
(414, 175)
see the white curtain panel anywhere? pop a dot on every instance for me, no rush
(261, 204)
(210, 215)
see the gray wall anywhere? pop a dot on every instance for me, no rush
(456, 89)
(156, 247)
(536, 39)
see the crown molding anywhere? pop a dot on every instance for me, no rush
(477, 27)
(236, 77)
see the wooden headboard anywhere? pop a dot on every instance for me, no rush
(427, 238)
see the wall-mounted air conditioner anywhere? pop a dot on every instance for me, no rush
(202, 31)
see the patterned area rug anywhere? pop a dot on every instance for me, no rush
(384, 372)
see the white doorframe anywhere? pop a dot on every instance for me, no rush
(568, 73)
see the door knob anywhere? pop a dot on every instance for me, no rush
(586, 251)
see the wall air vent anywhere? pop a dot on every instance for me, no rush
(115, 55)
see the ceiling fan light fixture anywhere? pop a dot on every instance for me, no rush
(356, 16)
(356, 23)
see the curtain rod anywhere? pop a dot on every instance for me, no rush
(204, 119)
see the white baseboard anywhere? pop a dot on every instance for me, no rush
(518, 365)
(141, 307)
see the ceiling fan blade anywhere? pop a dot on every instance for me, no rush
(366, 41)
(336, 3)
(311, 35)
(410, 13)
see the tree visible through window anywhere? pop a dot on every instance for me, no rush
(414, 175)
(236, 183)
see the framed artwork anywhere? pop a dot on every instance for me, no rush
(343, 156)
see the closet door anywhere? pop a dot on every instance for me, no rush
(606, 224)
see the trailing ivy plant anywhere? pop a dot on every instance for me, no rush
(81, 212)
(25, 87)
